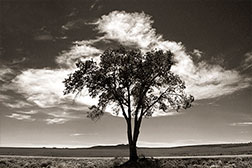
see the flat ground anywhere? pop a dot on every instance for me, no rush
(16, 162)
(204, 156)
(122, 151)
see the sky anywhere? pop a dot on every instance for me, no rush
(41, 40)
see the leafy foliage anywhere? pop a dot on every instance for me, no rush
(136, 84)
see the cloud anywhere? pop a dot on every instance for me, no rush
(5, 73)
(20, 117)
(82, 134)
(241, 124)
(4, 97)
(197, 53)
(28, 112)
(74, 24)
(209, 81)
(203, 80)
(247, 63)
(17, 104)
(18, 61)
(95, 5)
(76, 134)
(56, 120)
(61, 115)
(43, 87)
(78, 51)
(128, 28)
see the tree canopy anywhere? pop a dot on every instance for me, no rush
(137, 84)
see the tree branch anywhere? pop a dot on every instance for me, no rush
(119, 100)
(161, 95)
(143, 91)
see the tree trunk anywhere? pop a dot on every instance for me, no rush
(133, 152)
(132, 145)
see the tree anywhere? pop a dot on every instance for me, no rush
(136, 84)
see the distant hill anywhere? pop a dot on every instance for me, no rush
(122, 151)
(119, 146)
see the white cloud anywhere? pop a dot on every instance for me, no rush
(28, 112)
(83, 51)
(241, 124)
(4, 97)
(17, 104)
(128, 28)
(197, 53)
(203, 80)
(82, 134)
(62, 114)
(56, 120)
(209, 81)
(43, 87)
(20, 117)
(76, 134)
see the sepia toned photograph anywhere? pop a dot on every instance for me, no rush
(125, 84)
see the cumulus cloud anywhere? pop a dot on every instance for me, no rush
(128, 28)
(43, 87)
(203, 80)
(21, 117)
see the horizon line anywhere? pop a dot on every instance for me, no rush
(115, 145)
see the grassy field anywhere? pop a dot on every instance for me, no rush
(54, 157)
(122, 151)
(113, 163)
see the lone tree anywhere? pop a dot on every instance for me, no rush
(136, 84)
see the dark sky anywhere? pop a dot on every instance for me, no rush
(215, 61)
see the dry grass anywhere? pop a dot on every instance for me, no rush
(111, 163)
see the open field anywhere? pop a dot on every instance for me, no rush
(16, 162)
(203, 156)
(122, 151)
